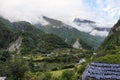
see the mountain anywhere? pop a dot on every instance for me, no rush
(109, 51)
(56, 23)
(69, 33)
(27, 38)
(90, 27)
(112, 40)
(53, 22)
(107, 58)
(24, 26)
(25, 49)
(7, 23)
(83, 21)
(6, 33)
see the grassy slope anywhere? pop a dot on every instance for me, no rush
(109, 51)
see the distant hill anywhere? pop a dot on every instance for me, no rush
(69, 33)
(33, 39)
(109, 51)
(106, 59)
(91, 27)
(112, 42)
(6, 34)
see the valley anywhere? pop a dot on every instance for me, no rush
(59, 40)
(32, 54)
(55, 51)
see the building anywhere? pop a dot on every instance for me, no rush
(101, 71)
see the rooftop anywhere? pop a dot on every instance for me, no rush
(102, 71)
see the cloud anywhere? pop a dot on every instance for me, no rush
(105, 12)
(83, 27)
(99, 33)
(31, 9)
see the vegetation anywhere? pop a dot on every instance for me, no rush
(6, 35)
(19, 67)
(41, 55)
(112, 42)
(12, 67)
(41, 43)
(71, 34)
(34, 40)
(113, 58)
(109, 51)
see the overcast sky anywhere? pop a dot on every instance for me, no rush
(103, 11)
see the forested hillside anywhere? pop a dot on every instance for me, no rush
(29, 53)
(109, 49)
(70, 33)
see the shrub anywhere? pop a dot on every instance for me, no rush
(67, 75)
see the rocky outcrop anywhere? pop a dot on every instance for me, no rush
(115, 28)
(77, 45)
(15, 46)
(101, 71)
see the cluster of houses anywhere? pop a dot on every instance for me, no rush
(101, 71)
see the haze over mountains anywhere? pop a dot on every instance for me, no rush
(68, 32)
(87, 31)
(41, 48)
(104, 11)
(111, 42)
(108, 52)
(88, 26)
(91, 27)
(57, 39)
(83, 25)
(53, 36)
